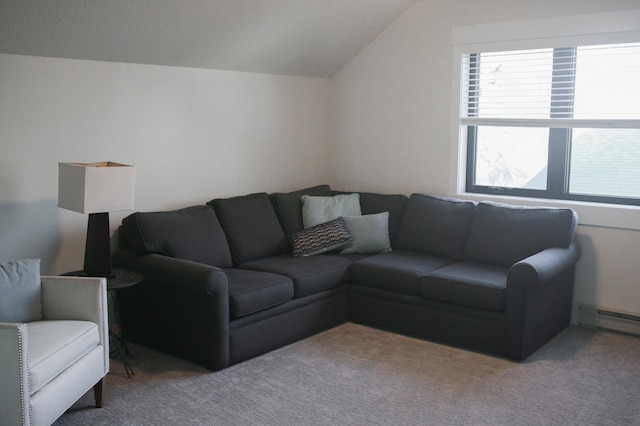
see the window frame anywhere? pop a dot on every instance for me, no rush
(588, 29)
(559, 141)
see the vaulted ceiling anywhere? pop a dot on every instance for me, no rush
(310, 38)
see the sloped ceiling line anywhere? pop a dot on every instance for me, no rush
(307, 38)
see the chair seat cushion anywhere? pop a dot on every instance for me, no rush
(398, 271)
(253, 291)
(309, 274)
(56, 345)
(471, 284)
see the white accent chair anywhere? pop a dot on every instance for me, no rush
(48, 363)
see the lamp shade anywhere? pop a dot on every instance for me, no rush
(96, 187)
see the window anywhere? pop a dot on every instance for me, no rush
(558, 122)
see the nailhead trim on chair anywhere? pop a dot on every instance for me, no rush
(24, 384)
(23, 380)
(105, 333)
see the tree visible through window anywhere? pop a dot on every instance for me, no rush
(556, 122)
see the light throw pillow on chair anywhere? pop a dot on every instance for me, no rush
(20, 298)
(317, 210)
(370, 234)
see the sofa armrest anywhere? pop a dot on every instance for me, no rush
(539, 299)
(177, 274)
(14, 379)
(543, 266)
(181, 307)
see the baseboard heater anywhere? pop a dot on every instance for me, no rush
(600, 318)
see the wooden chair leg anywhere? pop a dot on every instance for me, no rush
(98, 392)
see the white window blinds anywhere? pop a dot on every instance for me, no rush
(577, 86)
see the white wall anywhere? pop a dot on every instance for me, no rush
(197, 134)
(192, 134)
(392, 128)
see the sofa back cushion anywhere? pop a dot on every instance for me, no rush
(251, 226)
(192, 233)
(503, 235)
(395, 204)
(288, 206)
(436, 226)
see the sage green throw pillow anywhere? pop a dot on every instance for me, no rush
(370, 234)
(317, 210)
(20, 291)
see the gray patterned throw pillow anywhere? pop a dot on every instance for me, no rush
(320, 238)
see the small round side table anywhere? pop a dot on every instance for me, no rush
(119, 280)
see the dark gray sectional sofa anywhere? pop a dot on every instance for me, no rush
(221, 285)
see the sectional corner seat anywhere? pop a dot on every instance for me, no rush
(221, 284)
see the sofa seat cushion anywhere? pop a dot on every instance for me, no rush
(309, 274)
(253, 291)
(56, 345)
(470, 284)
(398, 271)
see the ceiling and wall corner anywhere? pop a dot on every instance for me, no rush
(312, 38)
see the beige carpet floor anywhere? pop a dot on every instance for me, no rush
(355, 375)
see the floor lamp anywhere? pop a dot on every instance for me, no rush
(96, 189)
